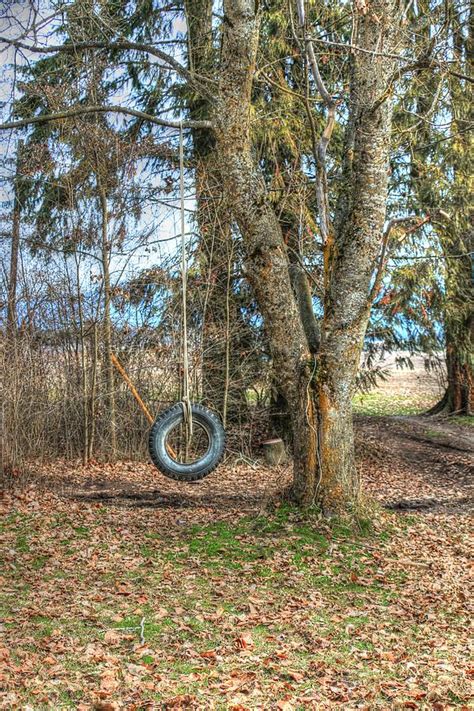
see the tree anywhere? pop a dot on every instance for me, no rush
(457, 235)
(318, 381)
(15, 248)
(321, 405)
(439, 144)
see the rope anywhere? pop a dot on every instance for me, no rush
(187, 410)
(137, 397)
(132, 388)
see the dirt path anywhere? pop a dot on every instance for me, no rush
(440, 432)
(406, 463)
(430, 464)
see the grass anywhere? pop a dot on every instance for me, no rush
(465, 420)
(378, 403)
(276, 606)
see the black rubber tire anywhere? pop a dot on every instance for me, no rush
(194, 471)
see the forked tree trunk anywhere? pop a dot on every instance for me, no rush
(324, 468)
(350, 256)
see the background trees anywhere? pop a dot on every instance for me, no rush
(322, 146)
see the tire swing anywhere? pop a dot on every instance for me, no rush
(187, 440)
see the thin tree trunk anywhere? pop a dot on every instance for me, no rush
(15, 250)
(10, 414)
(93, 392)
(107, 328)
(214, 222)
(83, 366)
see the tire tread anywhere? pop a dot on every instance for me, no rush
(166, 470)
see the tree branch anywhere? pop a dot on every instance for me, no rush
(73, 47)
(394, 222)
(399, 57)
(82, 110)
(320, 157)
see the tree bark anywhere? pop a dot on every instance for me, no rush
(351, 255)
(266, 263)
(459, 326)
(324, 468)
(457, 234)
(15, 251)
(457, 239)
(107, 327)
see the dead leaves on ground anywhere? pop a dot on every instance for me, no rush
(109, 606)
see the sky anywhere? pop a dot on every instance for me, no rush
(15, 20)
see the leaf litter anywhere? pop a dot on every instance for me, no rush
(123, 590)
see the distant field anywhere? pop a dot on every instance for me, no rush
(405, 392)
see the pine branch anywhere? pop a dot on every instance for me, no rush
(394, 222)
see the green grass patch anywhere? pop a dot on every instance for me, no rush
(465, 420)
(378, 403)
(282, 600)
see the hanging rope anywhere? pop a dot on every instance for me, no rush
(162, 456)
(187, 410)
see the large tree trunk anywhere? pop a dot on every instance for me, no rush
(350, 256)
(324, 468)
(457, 237)
(266, 264)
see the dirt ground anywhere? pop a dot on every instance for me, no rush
(430, 464)
(125, 590)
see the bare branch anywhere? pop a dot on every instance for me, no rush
(327, 98)
(73, 47)
(411, 65)
(82, 110)
(320, 153)
(398, 221)
(354, 48)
